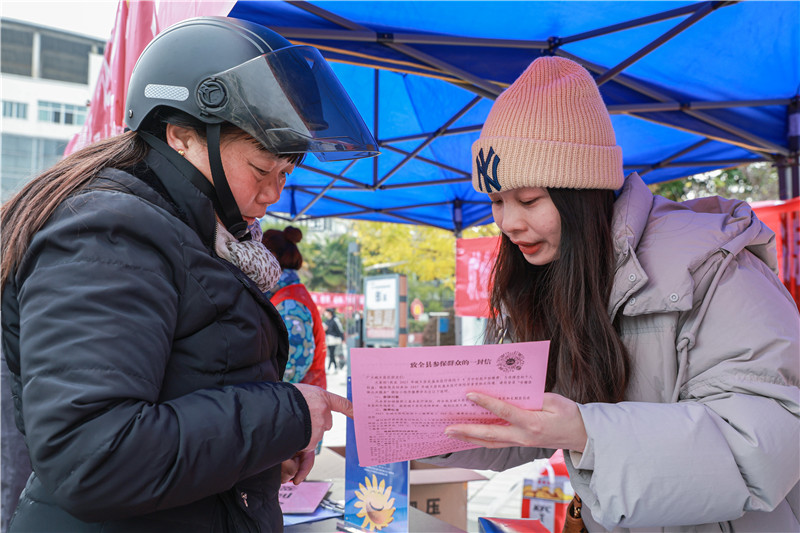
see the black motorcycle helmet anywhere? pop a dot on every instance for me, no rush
(220, 69)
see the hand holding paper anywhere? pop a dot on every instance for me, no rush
(558, 425)
(404, 398)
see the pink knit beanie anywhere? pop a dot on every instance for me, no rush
(550, 128)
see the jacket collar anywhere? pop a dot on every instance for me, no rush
(631, 212)
(182, 181)
(655, 257)
(662, 245)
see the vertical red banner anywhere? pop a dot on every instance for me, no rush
(474, 261)
(784, 219)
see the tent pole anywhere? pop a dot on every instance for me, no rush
(793, 189)
(375, 107)
(658, 17)
(279, 217)
(681, 106)
(759, 144)
(783, 179)
(371, 36)
(418, 136)
(371, 209)
(458, 219)
(696, 16)
(321, 193)
(675, 156)
(711, 163)
(480, 221)
(424, 183)
(429, 161)
(430, 139)
(337, 177)
(484, 87)
(763, 144)
(398, 185)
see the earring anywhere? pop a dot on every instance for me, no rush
(182, 153)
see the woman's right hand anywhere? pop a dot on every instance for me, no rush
(321, 404)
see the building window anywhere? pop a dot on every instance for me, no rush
(64, 59)
(16, 51)
(15, 109)
(58, 113)
(22, 158)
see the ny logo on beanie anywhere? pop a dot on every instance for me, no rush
(483, 170)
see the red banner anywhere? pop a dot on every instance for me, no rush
(474, 260)
(783, 217)
(342, 302)
(475, 257)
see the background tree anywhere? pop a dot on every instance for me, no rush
(327, 263)
(754, 182)
(422, 251)
(426, 255)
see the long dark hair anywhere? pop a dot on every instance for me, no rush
(566, 301)
(28, 210)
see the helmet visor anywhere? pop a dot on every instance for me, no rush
(292, 102)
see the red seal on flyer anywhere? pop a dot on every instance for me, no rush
(511, 361)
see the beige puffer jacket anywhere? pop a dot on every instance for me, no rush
(708, 437)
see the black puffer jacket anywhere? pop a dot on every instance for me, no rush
(146, 370)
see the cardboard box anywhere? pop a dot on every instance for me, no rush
(441, 491)
(438, 491)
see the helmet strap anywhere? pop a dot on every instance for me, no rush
(226, 207)
(191, 173)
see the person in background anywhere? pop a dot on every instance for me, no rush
(290, 297)
(674, 363)
(146, 365)
(334, 337)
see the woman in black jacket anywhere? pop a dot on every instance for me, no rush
(146, 364)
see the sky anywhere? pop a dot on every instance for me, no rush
(94, 18)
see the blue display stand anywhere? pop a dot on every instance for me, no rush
(376, 497)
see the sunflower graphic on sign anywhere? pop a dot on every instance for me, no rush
(375, 504)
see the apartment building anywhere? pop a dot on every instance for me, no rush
(47, 77)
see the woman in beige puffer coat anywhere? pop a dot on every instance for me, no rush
(675, 352)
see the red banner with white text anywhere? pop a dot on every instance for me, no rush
(474, 261)
(342, 302)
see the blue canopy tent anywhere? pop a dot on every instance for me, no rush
(691, 86)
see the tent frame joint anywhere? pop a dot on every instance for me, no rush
(553, 43)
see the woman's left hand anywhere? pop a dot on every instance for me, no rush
(558, 425)
(297, 468)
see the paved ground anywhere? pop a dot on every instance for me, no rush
(500, 495)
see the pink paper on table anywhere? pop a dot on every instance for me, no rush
(302, 498)
(404, 398)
